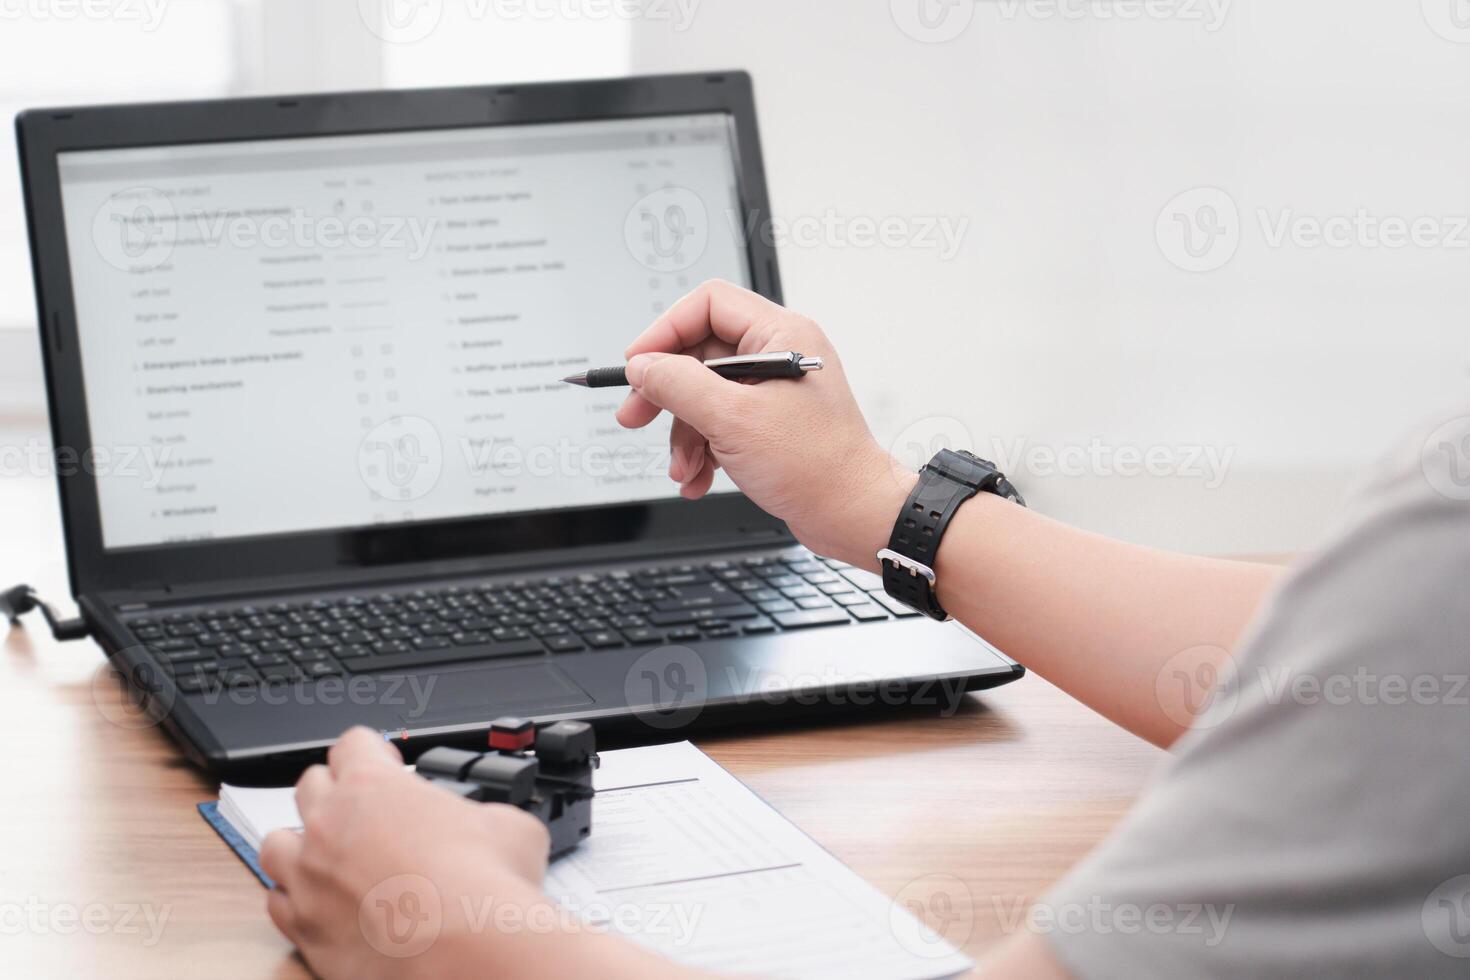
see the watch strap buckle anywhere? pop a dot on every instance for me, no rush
(905, 563)
(945, 483)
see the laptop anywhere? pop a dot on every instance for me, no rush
(317, 465)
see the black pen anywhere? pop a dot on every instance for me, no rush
(778, 364)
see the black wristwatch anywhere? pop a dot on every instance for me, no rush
(945, 482)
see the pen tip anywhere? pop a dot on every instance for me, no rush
(577, 379)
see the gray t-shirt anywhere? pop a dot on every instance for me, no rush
(1316, 820)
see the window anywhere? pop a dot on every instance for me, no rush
(484, 43)
(61, 54)
(139, 50)
(101, 51)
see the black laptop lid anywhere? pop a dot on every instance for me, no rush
(295, 337)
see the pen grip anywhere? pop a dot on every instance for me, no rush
(608, 377)
(759, 370)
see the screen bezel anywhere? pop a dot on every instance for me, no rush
(42, 134)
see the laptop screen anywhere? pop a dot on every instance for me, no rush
(306, 334)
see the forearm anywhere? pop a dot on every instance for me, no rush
(1099, 618)
(1104, 620)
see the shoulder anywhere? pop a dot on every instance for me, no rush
(1326, 763)
(1404, 545)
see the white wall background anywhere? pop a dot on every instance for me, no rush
(1054, 133)
(1060, 321)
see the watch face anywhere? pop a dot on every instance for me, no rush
(964, 467)
(974, 459)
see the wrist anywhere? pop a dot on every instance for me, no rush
(869, 509)
(504, 922)
(947, 488)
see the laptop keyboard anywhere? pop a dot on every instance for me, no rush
(298, 641)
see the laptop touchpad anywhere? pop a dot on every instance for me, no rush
(467, 694)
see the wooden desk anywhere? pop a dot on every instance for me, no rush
(98, 821)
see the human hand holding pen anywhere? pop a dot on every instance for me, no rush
(1100, 618)
(770, 366)
(802, 451)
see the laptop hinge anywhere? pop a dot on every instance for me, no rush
(149, 588)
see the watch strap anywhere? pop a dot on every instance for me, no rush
(945, 483)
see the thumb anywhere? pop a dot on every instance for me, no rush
(361, 746)
(684, 387)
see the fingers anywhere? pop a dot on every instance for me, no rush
(525, 840)
(311, 789)
(361, 747)
(688, 450)
(637, 411)
(699, 485)
(278, 907)
(684, 387)
(280, 854)
(715, 307)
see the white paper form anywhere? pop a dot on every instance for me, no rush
(686, 860)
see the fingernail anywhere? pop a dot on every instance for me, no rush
(638, 367)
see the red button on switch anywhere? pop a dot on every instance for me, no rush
(512, 734)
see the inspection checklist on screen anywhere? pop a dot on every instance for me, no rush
(331, 332)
